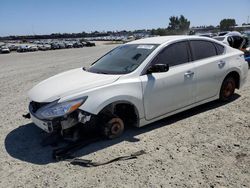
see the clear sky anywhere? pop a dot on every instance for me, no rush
(24, 17)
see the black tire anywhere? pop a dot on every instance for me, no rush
(113, 128)
(227, 89)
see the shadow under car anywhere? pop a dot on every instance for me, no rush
(23, 143)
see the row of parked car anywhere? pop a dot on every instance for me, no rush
(7, 48)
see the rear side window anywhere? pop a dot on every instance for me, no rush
(237, 41)
(202, 49)
(174, 54)
(220, 49)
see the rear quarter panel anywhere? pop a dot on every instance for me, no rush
(236, 62)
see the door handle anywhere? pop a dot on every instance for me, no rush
(189, 74)
(221, 64)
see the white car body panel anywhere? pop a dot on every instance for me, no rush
(209, 75)
(168, 91)
(129, 91)
(154, 96)
(145, 122)
(67, 83)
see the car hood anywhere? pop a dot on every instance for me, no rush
(68, 83)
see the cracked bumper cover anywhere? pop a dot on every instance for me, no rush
(59, 123)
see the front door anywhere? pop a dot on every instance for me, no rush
(172, 90)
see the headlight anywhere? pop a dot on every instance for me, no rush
(55, 109)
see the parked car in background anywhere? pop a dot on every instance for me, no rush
(225, 39)
(77, 45)
(55, 46)
(233, 39)
(138, 83)
(2, 44)
(87, 43)
(4, 50)
(61, 45)
(128, 39)
(236, 40)
(223, 33)
(33, 48)
(23, 48)
(44, 47)
(207, 35)
(68, 45)
(12, 47)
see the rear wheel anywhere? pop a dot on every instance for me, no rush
(227, 89)
(113, 128)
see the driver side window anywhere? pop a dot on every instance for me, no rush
(174, 54)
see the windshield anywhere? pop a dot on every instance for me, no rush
(123, 59)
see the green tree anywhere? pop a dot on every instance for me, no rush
(173, 23)
(178, 24)
(183, 23)
(227, 24)
(159, 31)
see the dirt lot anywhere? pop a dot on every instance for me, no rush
(208, 146)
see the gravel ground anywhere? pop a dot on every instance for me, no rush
(208, 146)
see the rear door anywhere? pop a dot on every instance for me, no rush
(210, 67)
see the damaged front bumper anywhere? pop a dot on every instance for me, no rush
(58, 124)
(47, 126)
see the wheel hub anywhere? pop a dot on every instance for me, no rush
(228, 89)
(116, 127)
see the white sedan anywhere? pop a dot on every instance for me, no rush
(138, 83)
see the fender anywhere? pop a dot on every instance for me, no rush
(129, 91)
(225, 75)
(233, 69)
(97, 107)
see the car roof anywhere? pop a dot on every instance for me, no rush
(164, 39)
(234, 33)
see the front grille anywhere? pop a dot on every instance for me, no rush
(36, 105)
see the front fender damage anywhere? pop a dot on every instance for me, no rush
(69, 127)
(77, 124)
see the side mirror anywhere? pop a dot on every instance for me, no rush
(158, 68)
